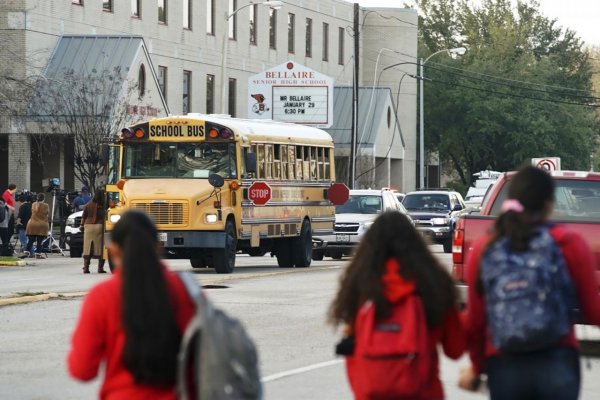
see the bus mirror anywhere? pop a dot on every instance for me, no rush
(216, 180)
(104, 154)
(250, 160)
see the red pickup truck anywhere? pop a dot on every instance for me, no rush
(577, 206)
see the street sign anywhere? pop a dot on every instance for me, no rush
(547, 163)
(259, 193)
(291, 92)
(338, 194)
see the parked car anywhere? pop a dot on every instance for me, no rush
(434, 213)
(73, 235)
(352, 220)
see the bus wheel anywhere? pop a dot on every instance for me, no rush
(198, 262)
(284, 253)
(224, 259)
(256, 252)
(302, 247)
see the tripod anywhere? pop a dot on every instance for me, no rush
(52, 243)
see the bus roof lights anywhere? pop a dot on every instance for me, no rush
(225, 133)
(139, 133)
(213, 133)
(121, 184)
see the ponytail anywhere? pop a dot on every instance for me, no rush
(151, 334)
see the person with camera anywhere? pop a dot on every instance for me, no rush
(80, 201)
(23, 216)
(37, 227)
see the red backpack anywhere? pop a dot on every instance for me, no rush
(392, 358)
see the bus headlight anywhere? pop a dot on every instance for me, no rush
(210, 218)
(114, 218)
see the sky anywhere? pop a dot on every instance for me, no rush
(581, 16)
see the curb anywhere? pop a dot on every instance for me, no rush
(19, 263)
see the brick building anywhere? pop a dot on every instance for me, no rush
(174, 51)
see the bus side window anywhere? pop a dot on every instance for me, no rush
(313, 163)
(306, 163)
(291, 161)
(269, 160)
(276, 161)
(283, 151)
(320, 155)
(260, 161)
(326, 164)
(299, 162)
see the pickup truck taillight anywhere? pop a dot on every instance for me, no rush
(457, 251)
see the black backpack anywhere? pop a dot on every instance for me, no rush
(222, 356)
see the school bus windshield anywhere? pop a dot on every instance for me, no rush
(179, 160)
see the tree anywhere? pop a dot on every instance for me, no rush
(521, 91)
(90, 108)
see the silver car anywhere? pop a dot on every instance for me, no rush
(352, 220)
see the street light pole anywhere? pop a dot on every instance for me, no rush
(274, 4)
(457, 50)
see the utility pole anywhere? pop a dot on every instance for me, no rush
(355, 86)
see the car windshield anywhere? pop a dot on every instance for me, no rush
(575, 200)
(360, 204)
(179, 160)
(426, 202)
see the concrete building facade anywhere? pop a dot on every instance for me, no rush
(184, 41)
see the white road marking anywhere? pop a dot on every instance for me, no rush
(300, 370)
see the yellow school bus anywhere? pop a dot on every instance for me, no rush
(216, 185)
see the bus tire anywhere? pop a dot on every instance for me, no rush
(224, 259)
(198, 262)
(302, 246)
(256, 252)
(284, 253)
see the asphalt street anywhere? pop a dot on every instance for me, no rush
(283, 310)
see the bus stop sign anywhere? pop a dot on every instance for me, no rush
(338, 194)
(259, 193)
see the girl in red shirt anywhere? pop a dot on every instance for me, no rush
(132, 322)
(552, 372)
(392, 262)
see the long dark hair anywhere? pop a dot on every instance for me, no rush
(99, 197)
(151, 334)
(534, 189)
(392, 235)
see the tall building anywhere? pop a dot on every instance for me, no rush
(165, 57)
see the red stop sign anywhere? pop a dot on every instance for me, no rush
(338, 194)
(259, 193)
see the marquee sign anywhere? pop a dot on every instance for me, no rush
(291, 92)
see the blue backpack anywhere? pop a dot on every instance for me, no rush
(529, 295)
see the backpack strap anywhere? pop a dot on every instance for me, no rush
(193, 329)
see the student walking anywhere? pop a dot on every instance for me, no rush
(133, 322)
(524, 280)
(396, 302)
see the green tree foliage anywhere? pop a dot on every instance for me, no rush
(505, 100)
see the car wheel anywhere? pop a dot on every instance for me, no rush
(75, 252)
(224, 259)
(302, 247)
(256, 252)
(336, 255)
(317, 255)
(198, 262)
(447, 246)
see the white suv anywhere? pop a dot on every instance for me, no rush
(73, 235)
(352, 220)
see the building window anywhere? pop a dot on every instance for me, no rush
(187, 14)
(107, 5)
(232, 24)
(142, 81)
(162, 80)
(341, 46)
(162, 11)
(308, 37)
(210, 17)
(136, 8)
(272, 29)
(232, 97)
(187, 90)
(253, 19)
(210, 94)
(325, 41)
(291, 32)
